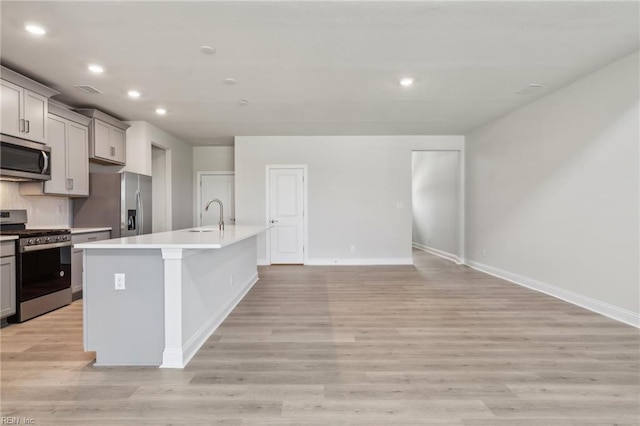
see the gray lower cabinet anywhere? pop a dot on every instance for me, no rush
(7, 279)
(76, 258)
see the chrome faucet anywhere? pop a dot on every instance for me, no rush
(221, 221)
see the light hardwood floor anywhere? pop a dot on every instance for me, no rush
(432, 344)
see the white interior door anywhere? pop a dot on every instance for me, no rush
(286, 213)
(220, 187)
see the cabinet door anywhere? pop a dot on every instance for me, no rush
(77, 159)
(76, 270)
(118, 144)
(76, 256)
(11, 97)
(35, 113)
(101, 145)
(7, 286)
(57, 142)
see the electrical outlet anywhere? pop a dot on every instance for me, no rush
(429, 239)
(231, 279)
(353, 249)
(484, 253)
(399, 205)
(119, 281)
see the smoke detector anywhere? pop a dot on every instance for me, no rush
(530, 88)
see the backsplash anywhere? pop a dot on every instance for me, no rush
(42, 211)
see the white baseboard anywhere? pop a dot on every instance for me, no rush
(445, 255)
(263, 262)
(614, 312)
(360, 262)
(196, 341)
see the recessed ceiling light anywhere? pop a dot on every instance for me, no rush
(35, 29)
(96, 69)
(243, 102)
(161, 111)
(133, 94)
(230, 81)
(406, 82)
(208, 50)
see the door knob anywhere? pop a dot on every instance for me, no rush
(274, 221)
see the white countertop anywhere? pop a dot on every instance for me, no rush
(75, 231)
(181, 239)
(8, 237)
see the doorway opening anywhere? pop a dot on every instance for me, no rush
(161, 189)
(437, 203)
(215, 185)
(286, 202)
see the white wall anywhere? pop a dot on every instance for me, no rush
(436, 195)
(553, 192)
(142, 136)
(42, 210)
(355, 184)
(213, 158)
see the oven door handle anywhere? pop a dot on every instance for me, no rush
(27, 249)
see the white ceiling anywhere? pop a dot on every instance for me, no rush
(314, 68)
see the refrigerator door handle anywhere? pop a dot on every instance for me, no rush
(138, 213)
(141, 213)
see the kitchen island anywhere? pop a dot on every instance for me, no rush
(155, 299)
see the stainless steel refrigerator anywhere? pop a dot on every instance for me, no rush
(119, 200)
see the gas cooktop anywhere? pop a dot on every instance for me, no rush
(34, 232)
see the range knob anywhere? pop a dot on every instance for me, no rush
(58, 238)
(37, 240)
(48, 240)
(30, 241)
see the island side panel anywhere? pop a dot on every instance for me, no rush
(124, 327)
(209, 293)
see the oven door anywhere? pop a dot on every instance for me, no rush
(43, 269)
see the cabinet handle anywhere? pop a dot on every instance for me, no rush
(113, 152)
(28, 126)
(69, 184)
(21, 125)
(92, 238)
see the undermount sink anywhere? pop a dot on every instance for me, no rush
(202, 230)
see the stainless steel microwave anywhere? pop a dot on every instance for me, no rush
(22, 160)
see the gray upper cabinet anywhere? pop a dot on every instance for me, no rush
(107, 137)
(24, 106)
(68, 137)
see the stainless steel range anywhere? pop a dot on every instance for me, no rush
(43, 266)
